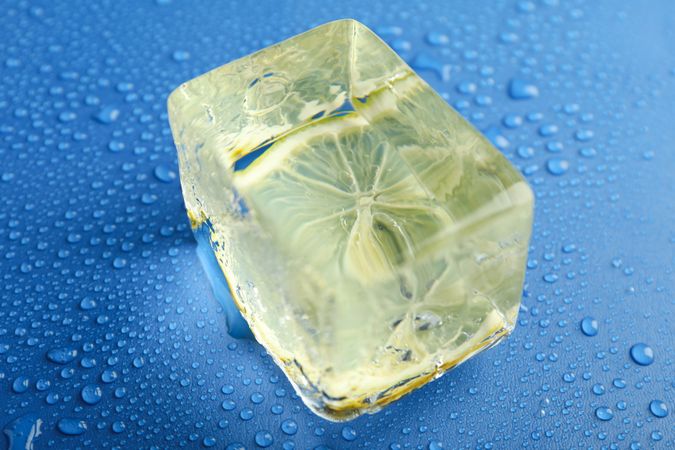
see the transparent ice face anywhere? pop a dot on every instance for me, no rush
(370, 237)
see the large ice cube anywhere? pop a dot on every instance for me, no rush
(371, 238)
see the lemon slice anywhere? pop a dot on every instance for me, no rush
(339, 195)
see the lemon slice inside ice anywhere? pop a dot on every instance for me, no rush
(338, 194)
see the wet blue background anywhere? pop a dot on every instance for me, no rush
(107, 321)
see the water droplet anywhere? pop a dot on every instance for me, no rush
(148, 198)
(109, 375)
(437, 39)
(589, 326)
(348, 433)
(467, 87)
(67, 116)
(494, 134)
(163, 173)
(584, 135)
(118, 426)
(522, 90)
(642, 354)
(658, 408)
(257, 398)
(619, 383)
(107, 115)
(264, 439)
(91, 394)
(62, 355)
(20, 384)
(289, 426)
(604, 413)
(116, 146)
(512, 121)
(548, 129)
(180, 55)
(550, 278)
(235, 446)
(119, 262)
(138, 362)
(228, 405)
(587, 152)
(557, 166)
(525, 152)
(598, 389)
(87, 303)
(72, 427)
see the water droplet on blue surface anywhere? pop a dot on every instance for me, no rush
(72, 427)
(91, 394)
(62, 355)
(584, 135)
(619, 383)
(87, 303)
(494, 134)
(67, 116)
(557, 166)
(604, 413)
(235, 446)
(116, 146)
(548, 129)
(107, 115)
(163, 173)
(550, 278)
(180, 55)
(525, 152)
(658, 408)
(118, 426)
(598, 389)
(119, 262)
(520, 89)
(109, 375)
(289, 427)
(437, 39)
(348, 433)
(20, 384)
(228, 405)
(512, 121)
(642, 354)
(264, 439)
(589, 326)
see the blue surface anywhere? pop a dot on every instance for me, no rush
(110, 336)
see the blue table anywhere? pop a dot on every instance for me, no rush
(110, 337)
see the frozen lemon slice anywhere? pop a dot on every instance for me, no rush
(343, 198)
(376, 240)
